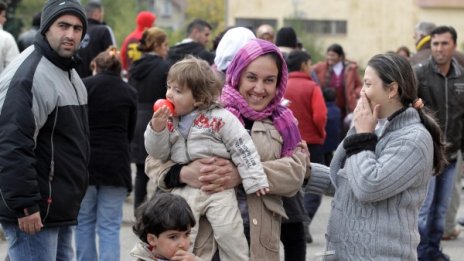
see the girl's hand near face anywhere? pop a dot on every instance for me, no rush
(364, 118)
(160, 119)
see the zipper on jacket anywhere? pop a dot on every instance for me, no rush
(186, 138)
(82, 114)
(186, 149)
(446, 109)
(74, 87)
(4, 201)
(51, 174)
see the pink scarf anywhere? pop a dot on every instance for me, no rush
(281, 116)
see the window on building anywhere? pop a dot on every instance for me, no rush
(166, 8)
(331, 27)
(440, 3)
(252, 24)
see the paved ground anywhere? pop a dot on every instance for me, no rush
(453, 248)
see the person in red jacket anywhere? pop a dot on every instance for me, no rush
(341, 74)
(129, 51)
(307, 103)
(308, 106)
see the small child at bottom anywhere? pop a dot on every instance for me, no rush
(163, 224)
(202, 128)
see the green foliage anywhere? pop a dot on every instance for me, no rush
(13, 25)
(312, 46)
(175, 36)
(209, 10)
(120, 16)
(26, 10)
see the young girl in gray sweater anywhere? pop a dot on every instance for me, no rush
(379, 173)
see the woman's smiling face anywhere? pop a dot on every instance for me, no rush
(374, 89)
(258, 82)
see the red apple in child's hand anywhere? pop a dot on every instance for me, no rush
(161, 102)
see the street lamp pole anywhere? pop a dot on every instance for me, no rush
(226, 12)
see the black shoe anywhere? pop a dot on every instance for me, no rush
(461, 221)
(309, 238)
(440, 257)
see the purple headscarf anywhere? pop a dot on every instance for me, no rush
(282, 117)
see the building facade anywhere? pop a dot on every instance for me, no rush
(170, 14)
(363, 27)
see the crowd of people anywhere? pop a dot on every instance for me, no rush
(256, 136)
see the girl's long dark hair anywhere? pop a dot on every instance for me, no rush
(391, 68)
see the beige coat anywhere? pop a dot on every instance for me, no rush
(285, 177)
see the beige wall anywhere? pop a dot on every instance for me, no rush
(374, 26)
(175, 20)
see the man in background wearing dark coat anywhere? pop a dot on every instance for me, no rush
(98, 38)
(422, 39)
(198, 32)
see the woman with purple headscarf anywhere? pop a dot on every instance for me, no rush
(255, 84)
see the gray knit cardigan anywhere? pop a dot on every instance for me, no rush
(377, 191)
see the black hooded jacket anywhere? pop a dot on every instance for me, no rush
(179, 51)
(112, 121)
(97, 39)
(44, 137)
(148, 76)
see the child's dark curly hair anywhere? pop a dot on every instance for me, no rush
(164, 211)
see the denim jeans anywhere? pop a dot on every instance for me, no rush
(432, 214)
(313, 201)
(100, 213)
(53, 243)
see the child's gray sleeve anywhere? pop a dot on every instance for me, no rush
(157, 143)
(319, 182)
(244, 155)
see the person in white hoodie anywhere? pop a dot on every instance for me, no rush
(8, 48)
(231, 42)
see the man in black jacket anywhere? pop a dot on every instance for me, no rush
(198, 32)
(98, 38)
(441, 86)
(44, 139)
